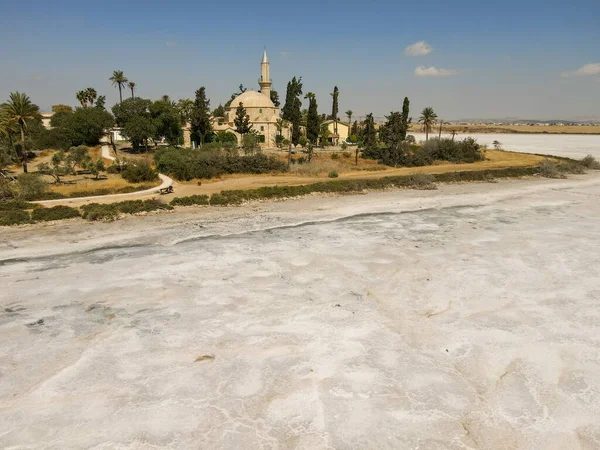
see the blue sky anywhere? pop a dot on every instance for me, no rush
(527, 59)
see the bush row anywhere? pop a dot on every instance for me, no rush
(39, 214)
(413, 181)
(110, 211)
(409, 155)
(191, 200)
(16, 205)
(185, 164)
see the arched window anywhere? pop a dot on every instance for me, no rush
(262, 128)
(260, 110)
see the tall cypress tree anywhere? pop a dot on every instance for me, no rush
(370, 133)
(200, 120)
(291, 110)
(405, 119)
(334, 108)
(242, 120)
(312, 119)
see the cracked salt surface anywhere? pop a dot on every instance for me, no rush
(472, 326)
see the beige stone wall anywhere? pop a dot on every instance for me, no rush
(343, 130)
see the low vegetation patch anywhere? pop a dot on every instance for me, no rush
(191, 200)
(98, 211)
(409, 155)
(17, 205)
(551, 169)
(59, 212)
(316, 167)
(590, 162)
(139, 173)
(110, 211)
(14, 217)
(185, 164)
(421, 181)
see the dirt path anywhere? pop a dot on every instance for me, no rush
(166, 182)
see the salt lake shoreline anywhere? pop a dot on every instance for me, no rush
(185, 223)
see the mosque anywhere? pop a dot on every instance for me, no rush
(259, 107)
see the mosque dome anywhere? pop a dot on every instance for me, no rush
(252, 99)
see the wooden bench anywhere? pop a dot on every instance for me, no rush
(167, 190)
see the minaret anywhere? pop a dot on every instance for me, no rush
(265, 79)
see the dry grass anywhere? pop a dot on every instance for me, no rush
(554, 129)
(317, 168)
(95, 152)
(85, 183)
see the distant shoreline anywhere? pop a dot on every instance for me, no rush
(514, 129)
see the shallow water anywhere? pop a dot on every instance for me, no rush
(569, 145)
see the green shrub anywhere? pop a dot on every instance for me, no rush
(485, 175)
(590, 162)
(333, 174)
(191, 200)
(185, 164)
(138, 206)
(139, 173)
(14, 217)
(465, 151)
(420, 181)
(226, 136)
(574, 168)
(219, 199)
(30, 186)
(113, 169)
(550, 169)
(110, 211)
(59, 212)
(346, 154)
(97, 211)
(17, 205)
(7, 189)
(335, 156)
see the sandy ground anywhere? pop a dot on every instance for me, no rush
(463, 318)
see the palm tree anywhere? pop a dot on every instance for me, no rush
(280, 125)
(21, 110)
(131, 86)
(8, 127)
(349, 115)
(91, 95)
(82, 97)
(185, 107)
(165, 98)
(119, 79)
(428, 119)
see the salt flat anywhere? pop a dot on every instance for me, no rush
(568, 145)
(464, 318)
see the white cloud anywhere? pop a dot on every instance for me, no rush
(423, 71)
(585, 71)
(170, 43)
(284, 54)
(36, 78)
(418, 49)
